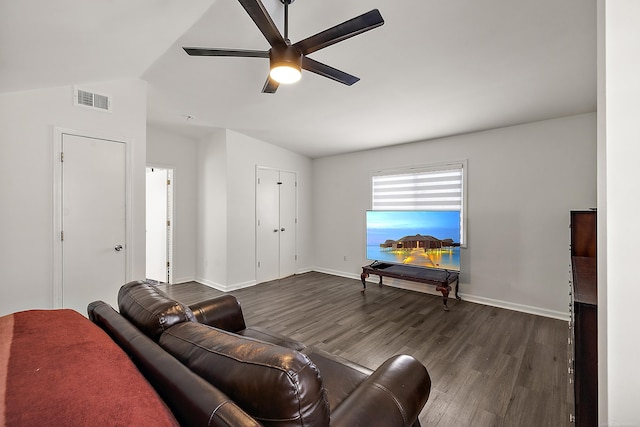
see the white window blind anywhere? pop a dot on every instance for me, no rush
(438, 187)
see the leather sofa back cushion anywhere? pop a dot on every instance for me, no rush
(275, 385)
(150, 310)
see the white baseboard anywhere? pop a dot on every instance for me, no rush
(336, 273)
(183, 280)
(211, 284)
(242, 285)
(403, 284)
(516, 307)
(225, 288)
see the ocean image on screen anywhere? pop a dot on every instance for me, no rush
(423, 238)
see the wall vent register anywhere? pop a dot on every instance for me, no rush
(92, 100)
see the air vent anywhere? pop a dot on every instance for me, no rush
(92, 100)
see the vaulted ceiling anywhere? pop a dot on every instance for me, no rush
(435, 68)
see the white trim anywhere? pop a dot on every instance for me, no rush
(184, 280)
(58, 133)
(171, 216)
(538, 311)
(224, 288)
(419, 168)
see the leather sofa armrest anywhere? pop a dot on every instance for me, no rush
(222, 312)
(193, 400)
(393, 395)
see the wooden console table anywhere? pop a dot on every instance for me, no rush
(441, 279)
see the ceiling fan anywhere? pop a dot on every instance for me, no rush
(287, 60)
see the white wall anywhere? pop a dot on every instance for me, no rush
(619, 71)
(171, 150)
(211, 241)
(226, 211)
(26, 189)
(244, 154)
(522, 183)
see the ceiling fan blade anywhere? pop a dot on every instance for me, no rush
(263, 21)
(196, 51)
(327, 71)
(353, 27)
(270, 86)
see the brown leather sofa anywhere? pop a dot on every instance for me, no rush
(258, 377)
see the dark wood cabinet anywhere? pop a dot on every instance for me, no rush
(584, 317)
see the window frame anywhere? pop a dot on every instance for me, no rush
(428, 168)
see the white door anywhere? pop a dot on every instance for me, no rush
(267, 225)
(276, 224)
(287, 210)
(93, 220)
(156, 224)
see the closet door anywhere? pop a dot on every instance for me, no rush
(275, 224)
(288, 227)
(267, 225)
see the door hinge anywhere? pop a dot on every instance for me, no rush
(61, 157)
(258, 264)
(295, 257)
(62, 236)
(279, 183)
(168, 223)
(258, 180)
(167, 264)
(168, 182)
(296, 221)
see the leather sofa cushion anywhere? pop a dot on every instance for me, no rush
(266, 335)
(151, 310)
(339, 376)
(225, 313)
(277, 386)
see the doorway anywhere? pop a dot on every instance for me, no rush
(276, 224)
(91, 255)
(159, 224)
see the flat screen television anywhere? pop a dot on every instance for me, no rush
(422, 238)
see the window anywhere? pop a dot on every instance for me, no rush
(434, 187)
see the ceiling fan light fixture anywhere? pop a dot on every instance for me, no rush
(286, 65)
(285, 74)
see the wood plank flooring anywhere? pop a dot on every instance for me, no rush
(488, 366)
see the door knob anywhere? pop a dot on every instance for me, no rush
(275, 230)
(118, 248)
(282, 229)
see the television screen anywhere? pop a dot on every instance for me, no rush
(423, 238)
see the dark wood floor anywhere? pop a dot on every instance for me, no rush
(488, 366)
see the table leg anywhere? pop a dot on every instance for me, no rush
(363, 276)
(457, 286)
(445, 295)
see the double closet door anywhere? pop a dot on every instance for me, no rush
(276, 224)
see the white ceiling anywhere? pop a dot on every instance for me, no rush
(435, 68)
